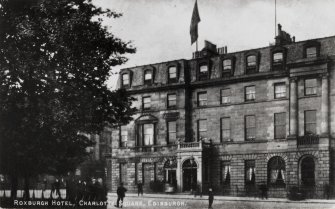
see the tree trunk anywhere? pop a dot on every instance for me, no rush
(26, 188)
(13, 190)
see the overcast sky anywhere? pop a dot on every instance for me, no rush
(159, 29)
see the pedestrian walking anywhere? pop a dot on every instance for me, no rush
(140, 188)
(121, 193)
(56, 188)
(210, 198)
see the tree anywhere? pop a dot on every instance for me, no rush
(55, 59)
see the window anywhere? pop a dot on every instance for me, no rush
(310, 86)
(148, 134)
(125, 79)
(225, 129)
(203, 72)
(250, 127)
(124, 136)
(202, 129)
(278, 58)
(251, 61)
(123, 172)
(250, 172)
(225, 172)
(202, 99)
(280, 125)
(276, 171)
(225, 96)
(172, 74)
(146, 103)
(148, 77)
(280, 90)
(250, 93)
(310, 122)
(171, 100)
(227, 64)
(172, 131)
(311, 52)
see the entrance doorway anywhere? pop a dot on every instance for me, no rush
(189, 175)
(308, 172)
(146, 176)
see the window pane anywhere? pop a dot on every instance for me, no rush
(227, 64)
(278, 57)
(250, 127)
(148, 75)
(172, 100)
(280, 125)
(251, 60)
(250, 93)
(225, 96)
(202, 99)
(202, 128)
(172, 72)
(148, 132)
(225, 128)
(311, 52)
(124, 136)
(280, 90)
(125, 79)
(146, 102)
(310, 122)
(311, 82)
(172, 132)
(123, 172)
(203, 68)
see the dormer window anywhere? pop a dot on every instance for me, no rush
(227, 64)
(251, 61)
(147, 77)
(311, 49)
(251, 64)
(278, 58)
(125, 80)
(203, 72)
(172, 74)
(311, 52)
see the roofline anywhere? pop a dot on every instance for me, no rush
(230, 53)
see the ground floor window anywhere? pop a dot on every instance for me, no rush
(225, 172)
(276, 171)
(250, 176)
(170, 172)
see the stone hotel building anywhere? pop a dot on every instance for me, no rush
(232, 121)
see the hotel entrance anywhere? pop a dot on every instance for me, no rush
(189, 175)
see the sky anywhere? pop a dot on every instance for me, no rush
(159, 29)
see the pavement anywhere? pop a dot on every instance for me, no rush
(112, 196)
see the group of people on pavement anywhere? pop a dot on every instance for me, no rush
(121, 193)
(93, 190)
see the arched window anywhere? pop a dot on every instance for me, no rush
(276, 171)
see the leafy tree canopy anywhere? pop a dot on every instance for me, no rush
(55, 59)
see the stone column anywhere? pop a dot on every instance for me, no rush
(324, 127)
(179, 174)
(293, 107)
(199, 172)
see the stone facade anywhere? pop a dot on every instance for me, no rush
(200, 154)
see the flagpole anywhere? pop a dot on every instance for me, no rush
(275, 18)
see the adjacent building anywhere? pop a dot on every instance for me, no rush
(232, 121)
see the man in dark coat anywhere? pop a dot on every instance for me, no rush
(210, 198)
(140, 188)
(121, 193)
